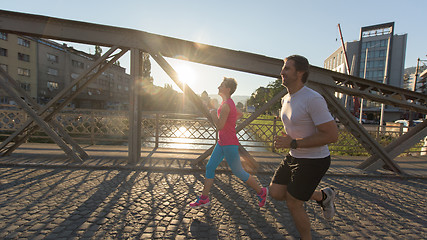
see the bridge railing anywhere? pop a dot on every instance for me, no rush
(184, 130)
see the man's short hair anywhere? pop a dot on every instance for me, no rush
(301, 65)
(230, 83)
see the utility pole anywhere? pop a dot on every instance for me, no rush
(344, 51)
(349, 72)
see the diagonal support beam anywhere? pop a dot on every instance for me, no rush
(358, 130)
(404, 142)
(55, 125)
(67, 94)
(33, 114)
(261, 110)
(188, 92)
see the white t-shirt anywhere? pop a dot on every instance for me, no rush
(301, 113)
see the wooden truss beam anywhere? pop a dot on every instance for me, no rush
(6, 85)
(35, 106)
(398, 146)
(89, 33)
(358, 130)
(160, 46)
(67, 94)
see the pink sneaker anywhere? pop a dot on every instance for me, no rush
(262, 197)
(200, 202)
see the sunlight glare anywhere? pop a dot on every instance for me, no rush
(184, 132)
(186, 74)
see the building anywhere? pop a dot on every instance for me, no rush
(378, 55)
(18, 57)
(49, 67)
(422, 83)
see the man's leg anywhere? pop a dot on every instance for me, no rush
(317, 196)
(300, 217)
(278, 191)
(279, 183)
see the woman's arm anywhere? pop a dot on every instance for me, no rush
(223, 115)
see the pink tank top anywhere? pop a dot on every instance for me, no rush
(227, 135)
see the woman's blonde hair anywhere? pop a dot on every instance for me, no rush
(230, 83)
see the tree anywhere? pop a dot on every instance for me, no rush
(275, 87)
(147, 83)
(259, 97)
(206, 99)
(98, 51)
(146, 68)
(240, 106)
(263, 94)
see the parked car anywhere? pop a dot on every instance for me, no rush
(418, 121)
(403, 121)
(363, 120)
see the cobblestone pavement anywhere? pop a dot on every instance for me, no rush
(60, 203)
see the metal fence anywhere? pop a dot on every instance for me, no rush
(184, 130)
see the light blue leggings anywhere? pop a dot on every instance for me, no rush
(231, 154)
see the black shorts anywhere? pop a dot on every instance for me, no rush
(301, 175)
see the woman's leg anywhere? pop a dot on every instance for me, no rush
(215, 159)
(207, 186)
(254, 184)
(232, 156)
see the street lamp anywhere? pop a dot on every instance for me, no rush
(385, 79)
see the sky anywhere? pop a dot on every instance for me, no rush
(274, 28)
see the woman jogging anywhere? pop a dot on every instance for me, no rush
(227, 147)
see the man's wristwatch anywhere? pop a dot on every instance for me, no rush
(294, 144)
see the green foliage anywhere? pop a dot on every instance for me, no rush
(263, 94)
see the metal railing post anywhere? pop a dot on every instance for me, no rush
(157, 130)
(92, 130)
(274, 134)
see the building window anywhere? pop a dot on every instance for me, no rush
(4, 67)
(52, 58)
(26, 86)
(24, 57)
(3, 52)
(53, 72)
(52, 86)
(77, 64)
(3, 36)
(74, 75)
(23, 42)
(24, 72)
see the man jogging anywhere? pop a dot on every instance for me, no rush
(309, 128)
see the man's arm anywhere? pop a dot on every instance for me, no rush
(326, 133)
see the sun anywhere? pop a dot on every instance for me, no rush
(186, 74)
